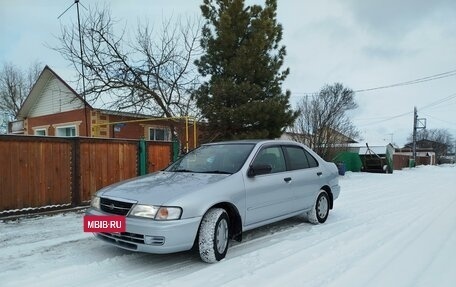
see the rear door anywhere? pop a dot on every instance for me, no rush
(306, 176)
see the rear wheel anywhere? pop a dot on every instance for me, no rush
(320, 210)
(213, 236)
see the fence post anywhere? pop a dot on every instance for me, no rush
(175, 149)
(76, 172)
(142, 157)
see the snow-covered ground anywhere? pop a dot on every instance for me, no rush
(386, 230)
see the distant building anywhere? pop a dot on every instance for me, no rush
(440, 149)
(53, 108)
(403, 156)
(340, 140)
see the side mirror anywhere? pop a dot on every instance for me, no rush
(259, 169)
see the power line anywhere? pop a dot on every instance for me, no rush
(406, 83)
(448, 122)
(438, 102)
(412, 82)
(433, 104)
(387, 119)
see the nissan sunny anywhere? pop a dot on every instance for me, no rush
(215, 193)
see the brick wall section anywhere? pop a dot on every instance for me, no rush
(129, 130)
(140, 129)
(59, 118)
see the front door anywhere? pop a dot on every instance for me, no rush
(269, 195)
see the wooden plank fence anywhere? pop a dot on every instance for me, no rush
(32, 173)
(51, 172)
(402, 161)
(158, 155)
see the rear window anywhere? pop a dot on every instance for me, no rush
(312, 161)
(298, 158)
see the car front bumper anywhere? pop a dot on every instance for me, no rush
(151, 236)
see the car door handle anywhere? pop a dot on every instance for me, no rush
(319, 173)
(287, 179)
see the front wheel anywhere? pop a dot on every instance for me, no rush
(320, 210)
(213, 235)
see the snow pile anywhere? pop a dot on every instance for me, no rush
(386, 230)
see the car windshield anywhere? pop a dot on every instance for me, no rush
(217, 158)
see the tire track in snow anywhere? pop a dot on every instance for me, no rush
(394, 230)
(388, 252)
(369, 220)
(342, 242)
(248, 252)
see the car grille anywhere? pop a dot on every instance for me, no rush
(126, 236)
(130, 240)
(114, 206)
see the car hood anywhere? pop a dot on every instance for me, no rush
(161, 187)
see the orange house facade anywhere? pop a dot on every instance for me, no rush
(53, 108)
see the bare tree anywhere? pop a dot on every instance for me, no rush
(323, 123)
(15, 85)
(150, 73)
(440, 140)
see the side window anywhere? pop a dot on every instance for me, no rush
(272, 156)
(159, 134)
(40, 132)
(312, 161)
(296, 157)
(69, 131)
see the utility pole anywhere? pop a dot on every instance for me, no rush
(415, 119)
(417, 124)
(391, 137)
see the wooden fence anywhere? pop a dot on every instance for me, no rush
(402, 161)
(51, 172)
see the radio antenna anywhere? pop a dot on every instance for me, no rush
(82, 61)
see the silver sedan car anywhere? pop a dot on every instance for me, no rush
(217, 192)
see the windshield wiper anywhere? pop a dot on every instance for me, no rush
(216, 171)
(182, 170)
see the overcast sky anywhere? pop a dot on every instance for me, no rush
(362, 44)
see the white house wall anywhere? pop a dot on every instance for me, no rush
(55, 98)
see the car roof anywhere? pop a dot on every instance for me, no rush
(253, 141)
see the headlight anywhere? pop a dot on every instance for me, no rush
(168, 213)
(156, 212)
(144, 211)
(95, 202)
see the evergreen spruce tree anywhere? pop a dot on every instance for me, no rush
(242, 97)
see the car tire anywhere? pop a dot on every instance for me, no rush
(320, 210)
(213, 236)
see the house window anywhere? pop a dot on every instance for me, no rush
(159, 134)
(40, 132)
(68, 131)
